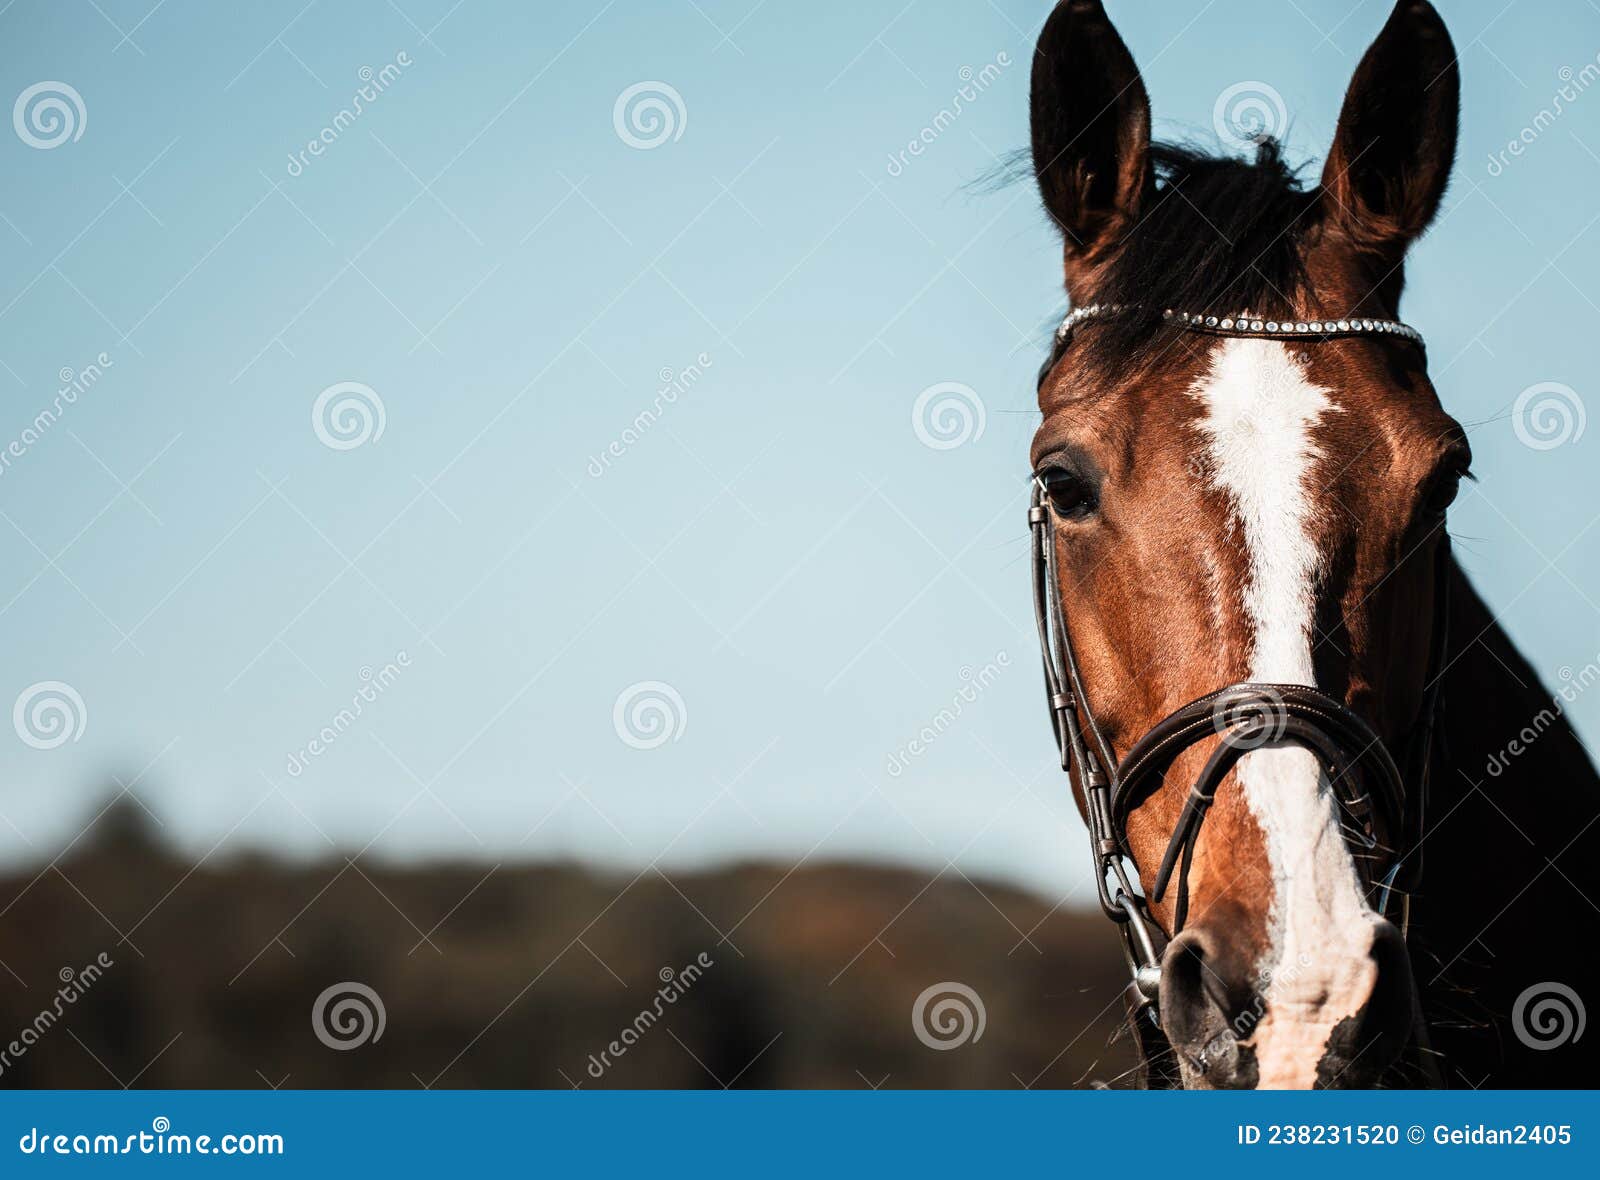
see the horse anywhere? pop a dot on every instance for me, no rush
(1283, 709)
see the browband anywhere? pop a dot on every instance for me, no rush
(1245, 324)
(1241, 325)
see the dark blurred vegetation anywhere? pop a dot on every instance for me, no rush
(512, 976)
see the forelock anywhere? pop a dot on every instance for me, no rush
(1221, 235)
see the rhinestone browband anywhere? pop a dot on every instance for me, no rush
(1246, 325)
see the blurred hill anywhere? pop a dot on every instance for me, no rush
(524, 976)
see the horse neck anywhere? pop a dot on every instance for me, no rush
(1510, 892)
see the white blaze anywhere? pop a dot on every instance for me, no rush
(1260, 411)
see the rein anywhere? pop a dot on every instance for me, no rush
(1385, 818)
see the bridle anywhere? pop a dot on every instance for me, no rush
(1384, 819)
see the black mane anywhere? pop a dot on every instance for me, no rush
(1221, 236)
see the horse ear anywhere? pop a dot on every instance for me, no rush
(1091, 128)
(1396, 141)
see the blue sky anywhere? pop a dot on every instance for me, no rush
(482, 252)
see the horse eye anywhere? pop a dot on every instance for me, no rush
(1070, 496)
(1442, 493)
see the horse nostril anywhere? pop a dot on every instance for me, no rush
(1364, 1045)
(1201, 990)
